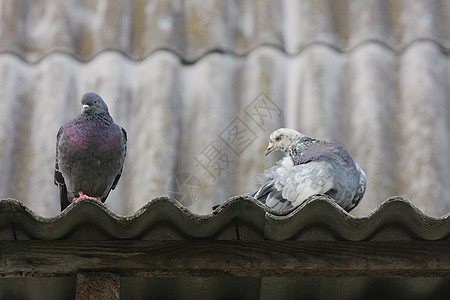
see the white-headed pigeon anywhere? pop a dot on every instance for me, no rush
(311, 167)
(90, 152)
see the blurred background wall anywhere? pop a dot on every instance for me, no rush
(200, 85)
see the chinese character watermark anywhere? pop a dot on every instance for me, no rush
(263, 111)
(213, 160)
(186, 188)
(260, 116)
(237, 136)
(221, 154)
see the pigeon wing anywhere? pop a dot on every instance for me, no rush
(119, 174)
(58, 177)
(125, 138)
(361, 189)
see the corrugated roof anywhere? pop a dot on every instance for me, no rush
(165, 251)
(193, 28)
(239, 218)
(179, 75)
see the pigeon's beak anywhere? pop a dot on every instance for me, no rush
(85, 106)
(269, 149)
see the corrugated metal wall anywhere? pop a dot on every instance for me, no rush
(199, 86)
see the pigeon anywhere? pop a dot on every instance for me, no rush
(312, 167)
(90, 152)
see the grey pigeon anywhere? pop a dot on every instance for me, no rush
(311, 167)
(90, 152)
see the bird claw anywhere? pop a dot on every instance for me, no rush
(83, 196)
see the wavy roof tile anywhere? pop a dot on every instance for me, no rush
(371, 75)
(241, 218)
(193, 28)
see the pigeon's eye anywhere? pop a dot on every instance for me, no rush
(96, 102)
(278, 138)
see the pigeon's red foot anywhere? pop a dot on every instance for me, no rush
(83, 196)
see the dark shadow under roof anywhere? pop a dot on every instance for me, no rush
(241, 250)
